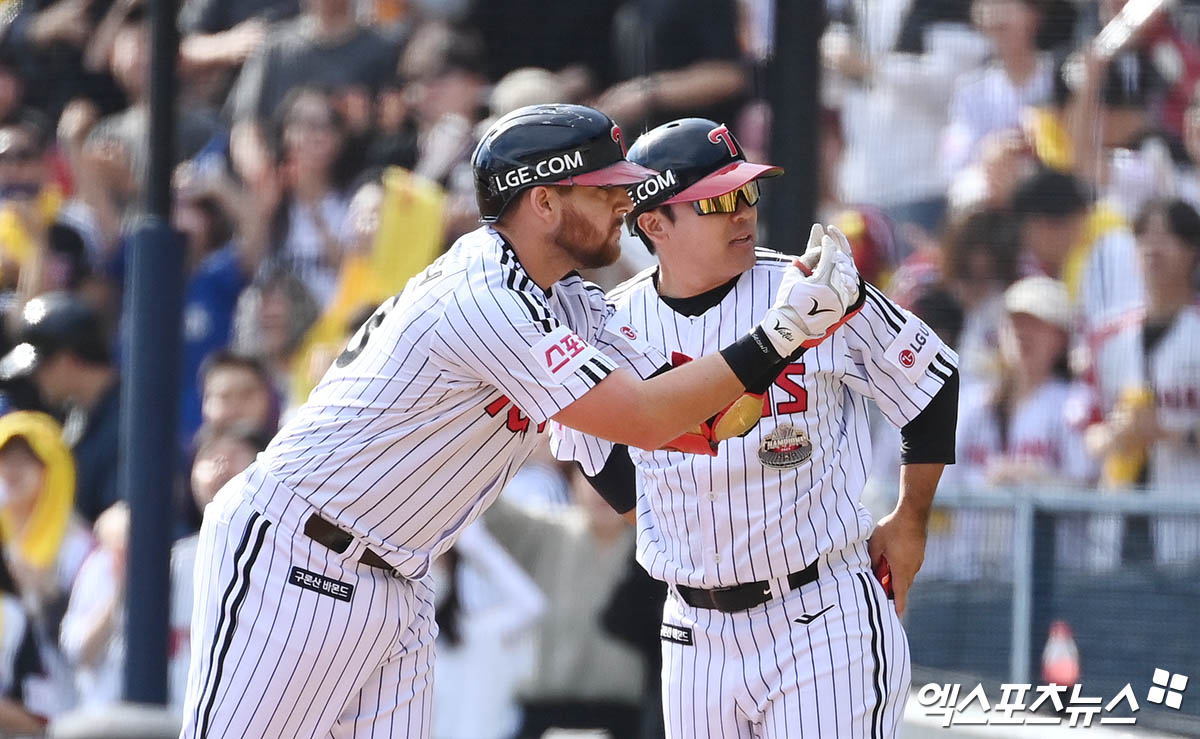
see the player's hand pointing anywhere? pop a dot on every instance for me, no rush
(842, 273)
(816, 296)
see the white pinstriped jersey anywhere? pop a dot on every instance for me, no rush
(437, 401)
(719, 521)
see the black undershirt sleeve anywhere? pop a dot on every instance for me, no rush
(929, 438)
(617, 481)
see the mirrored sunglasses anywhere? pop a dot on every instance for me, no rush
(728, 202)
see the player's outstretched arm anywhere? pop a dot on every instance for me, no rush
(650, 413)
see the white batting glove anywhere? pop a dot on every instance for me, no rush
(818, 293)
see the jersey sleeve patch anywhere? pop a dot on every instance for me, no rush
(561, 352)
(913, 349)
(620, 324)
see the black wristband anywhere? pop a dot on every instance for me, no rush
(755, 361)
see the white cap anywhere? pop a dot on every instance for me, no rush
(1041, 297)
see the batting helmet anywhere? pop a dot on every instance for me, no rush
(696, 159)
(554, 144)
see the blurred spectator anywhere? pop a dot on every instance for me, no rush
(1113, 140)
(212, 17)
(583, 677)
(45, 542)
(1169, 55)
(238, 391)
(1089, 247)
(1019, 433)
(221, 453)
(120, 143)
(487, 612)
(92, 637)
(208, 209)
(675, 58)
(981, 261)
(872, 238)
(12, 89)
(894, 66)
(300, 204)
(66, 351)
(571, 37)
(38, 252)
(21, 673)
(1021, 73)
(393, 137)
(324, 47)
(272, 318)
(444, 69)
(222, 33)
(1147, 380)
(48, 38)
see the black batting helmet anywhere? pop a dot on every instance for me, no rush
(555, 144)
(695, 158)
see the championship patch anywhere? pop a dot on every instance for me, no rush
(913, 349)
(676, 634)
(561, 352)
(784, 447)
(321, 584)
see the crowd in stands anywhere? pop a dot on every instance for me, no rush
(1032, 197)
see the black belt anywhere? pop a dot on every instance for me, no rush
(330, 536)
(742, 597)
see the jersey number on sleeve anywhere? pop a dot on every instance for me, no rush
(358, 342)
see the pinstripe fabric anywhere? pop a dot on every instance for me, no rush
(842, 670)
(759, 673)
(719, 521)
(407, 443)
(413, 432)
(295, 663)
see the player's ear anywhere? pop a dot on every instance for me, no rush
(544, 203)
(653, 224)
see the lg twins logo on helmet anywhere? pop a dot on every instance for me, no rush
(559, 164)
(661, 182)
(721, 134)
(615, 132)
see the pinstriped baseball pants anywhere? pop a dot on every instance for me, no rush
(339, 650)
(829, 659)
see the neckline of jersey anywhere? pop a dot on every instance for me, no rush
(696, 305)
(508, 247)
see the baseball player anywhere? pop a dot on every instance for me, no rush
(775, 625)
(312, 614)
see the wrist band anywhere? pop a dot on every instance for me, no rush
(755, 361)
